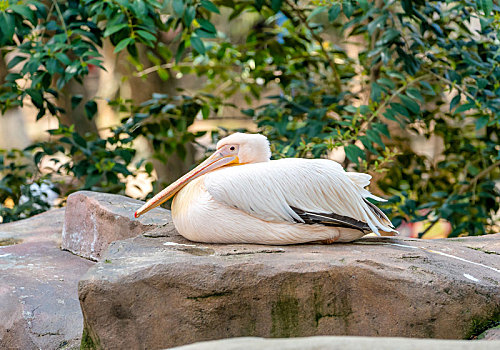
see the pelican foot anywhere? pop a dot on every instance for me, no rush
(329, 241)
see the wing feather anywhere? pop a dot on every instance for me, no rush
(271, 190)
(332, 219)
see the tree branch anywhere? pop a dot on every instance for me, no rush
(387, 101)
(479, 176)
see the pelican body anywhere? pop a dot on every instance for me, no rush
(239, 195)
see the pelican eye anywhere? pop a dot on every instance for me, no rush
(232, 148)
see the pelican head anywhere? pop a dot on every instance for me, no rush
(235, 149)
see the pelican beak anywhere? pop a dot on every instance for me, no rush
(219, 159)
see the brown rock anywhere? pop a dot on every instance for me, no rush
(153, 293)
(93, 220)
(340, 343)
(39, 306)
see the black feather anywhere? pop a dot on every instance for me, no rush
(331, 219)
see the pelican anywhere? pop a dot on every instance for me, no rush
(239, 195)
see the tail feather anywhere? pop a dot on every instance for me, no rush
(363, 180)
(379, 213)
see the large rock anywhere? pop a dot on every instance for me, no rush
(340, 343)
(93, 220)
(39, 306)
(157, 292)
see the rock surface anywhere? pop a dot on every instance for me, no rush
(93, 220)
(163, 291)
(39, 306)
(491, 334)
(340, 343)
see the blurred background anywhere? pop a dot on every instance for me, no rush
(126, 96)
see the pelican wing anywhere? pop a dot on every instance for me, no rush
(313, 191)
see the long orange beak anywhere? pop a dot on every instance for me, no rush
(216, 160)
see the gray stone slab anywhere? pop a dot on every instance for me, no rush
(39, 307)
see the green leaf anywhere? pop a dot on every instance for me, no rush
(204, 34)
(146, 35)
(465, 107)
(250, 112)
(92, 180)
(206, 25)
(63, 58)
(180, 51)
(347, 8)
(376, 92)
(189, 15)
(53, 66)
(259, 4)
(378, 22)
(7, 23)
(387, 82)
(197, 44)
(382, 128)
(75, 100)
(114, 28)
(333, 12)
(24, 11)
(276, 5)
(375, 138)
(440, 194)
(454, 101)
(473, 170)
(207, 4)
(149, 168)
(482, 122)
(368, 144)
(80, 141)
(397, 75)
(163, 74)
(36, 97)
(353, 153)
(351, 109)
(316, 11)
(410, 104)
(178, 6)
(11, 77)
(486, 6)
(205, 111)
(123, 44)
(415, 94)
(15, 61)
(481, 83)
(389, 36)
(428, 88)
(90, 109)
(399, 108)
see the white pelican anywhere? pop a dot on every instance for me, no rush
(239, 195)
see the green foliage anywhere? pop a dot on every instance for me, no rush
(361, 75)
(21, 187)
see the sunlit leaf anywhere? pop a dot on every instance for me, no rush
(207, 4)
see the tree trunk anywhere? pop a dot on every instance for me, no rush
(77, 116)
(141, 90)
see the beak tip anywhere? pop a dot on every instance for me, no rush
(136, 215)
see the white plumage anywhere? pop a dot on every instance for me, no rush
(267, 190)
(249, 199)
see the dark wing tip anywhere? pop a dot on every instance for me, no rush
(331, 219)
